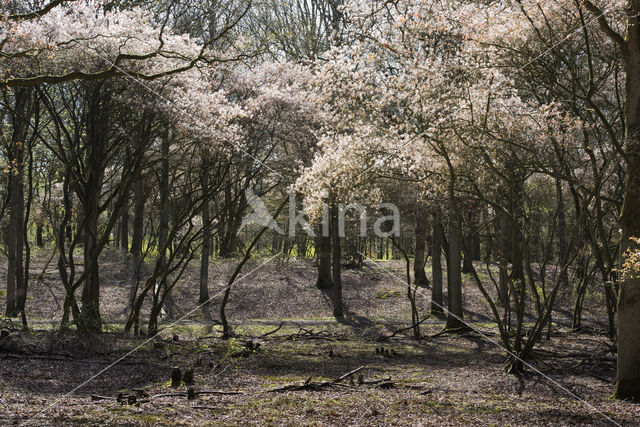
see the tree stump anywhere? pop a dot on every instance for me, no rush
(191, 393)
(176, 376)
(188, 377)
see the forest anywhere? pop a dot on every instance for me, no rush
(320, 212)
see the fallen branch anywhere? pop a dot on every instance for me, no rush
(272, 332)
(399, 331)
(309, 334)
(184, 393)
(317, 386)
(221, 393)
(383, 380)
(97, 397)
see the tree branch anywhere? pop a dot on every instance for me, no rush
(38, 13)
(604, 24)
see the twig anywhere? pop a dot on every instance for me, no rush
(317, 386)
(97, 397)
(399, 331)
(383, 380)
(272, 332)
(222, 393)
(182, 393)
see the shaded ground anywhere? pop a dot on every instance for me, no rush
(277, 289)
(449, 380)
(446, 380)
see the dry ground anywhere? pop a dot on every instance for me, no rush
(48, 377)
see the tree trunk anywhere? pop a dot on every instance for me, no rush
(437, 300)
(475, 245)
(163, 226)
(97, 126)
(562, 235)
(39, 235)
(628, 371)
(454, 276)
(12, 236)
(15, 239)
(234, 206)
(323, 248)
(338, 311)
(419, 275)
(138, 217)
(206, 235)
(467, 266)
(124, 227)
(134, 260)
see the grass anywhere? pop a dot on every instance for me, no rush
(388, 293)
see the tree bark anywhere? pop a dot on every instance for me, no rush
(419, 275)
(338, 311)
(437, 299)
(124, 227)
(467, 266)
(323, 248)
(163, 226)
(454, 276)
(97, 126)
(134, 260)
(206, 234)
(234, 206)
(15, 238)
(628, 371)
(138, 217)
(562, 234)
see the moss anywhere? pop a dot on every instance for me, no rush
(627, 390)
(388, 293)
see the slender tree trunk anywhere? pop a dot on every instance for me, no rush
(475, 245)
(437, 300)
(338, 311)
(12, 236)
(232, 221)
(206, 235)
(163, 226)
(454, 276)
(504, 231)
(124, 227)
(467, 266)
(39, 235)
(138, 217)
(323, 249)
(20, 118)
(421, 242)
(91, 288)
(134, 260)
(22, 291)
(97, 127)
(562, 234)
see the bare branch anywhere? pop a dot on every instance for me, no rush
(38, 13)
(604, 24)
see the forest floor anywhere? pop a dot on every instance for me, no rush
(48, 377)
